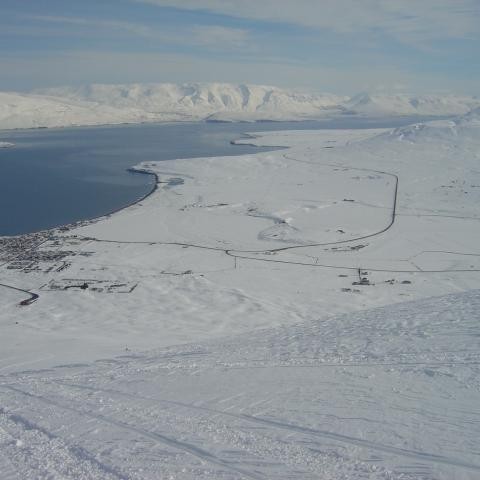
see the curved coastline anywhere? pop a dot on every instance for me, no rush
(240, 141)
(81, 223)
(143, 171)
(87, 221)
(76, 223)
(49, 233)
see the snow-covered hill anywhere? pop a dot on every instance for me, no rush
(35, 111)
(197, 101)
(136, 103)
(464, 126)
(427, 105)
(386, 394)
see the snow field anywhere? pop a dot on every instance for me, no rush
(286, 302)
(390, 393)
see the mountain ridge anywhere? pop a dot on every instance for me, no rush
(97, 104)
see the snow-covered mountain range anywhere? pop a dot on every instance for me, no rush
(135, 103)
(426, 105)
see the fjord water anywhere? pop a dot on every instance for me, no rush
(59, 176)
(55, 177)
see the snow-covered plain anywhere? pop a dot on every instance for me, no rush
(162, 102)
(283, 277)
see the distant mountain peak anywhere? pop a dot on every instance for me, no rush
(95, 104)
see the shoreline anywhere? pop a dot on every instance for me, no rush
(412, 118)
(235, 142)
(89, 221)
(79, 223)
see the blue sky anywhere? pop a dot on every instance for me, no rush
(341, 46)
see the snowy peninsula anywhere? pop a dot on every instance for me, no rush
(137, 103)
(261, 316)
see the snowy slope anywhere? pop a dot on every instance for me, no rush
(206, 101)
(461, 128)
(101, 104)
(33, 111)
(134, 103)
(387, 394)
(434, 105)
(471, 120)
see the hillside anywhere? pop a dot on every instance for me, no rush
(163, 102)
(386, 394)
(427, 105)
(205, 101)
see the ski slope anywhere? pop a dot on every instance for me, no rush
(391, 393)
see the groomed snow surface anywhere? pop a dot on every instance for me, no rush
(163, 102)
(391, 393)
(304, 313)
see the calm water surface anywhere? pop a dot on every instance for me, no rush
(58, 176)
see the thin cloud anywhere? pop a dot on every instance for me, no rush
(407, 21)
(218, 35)
(74, 68)
(214, 36)
(133, 28)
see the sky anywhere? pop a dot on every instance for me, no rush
(338, 46)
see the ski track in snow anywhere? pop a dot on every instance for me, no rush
(190, 411)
